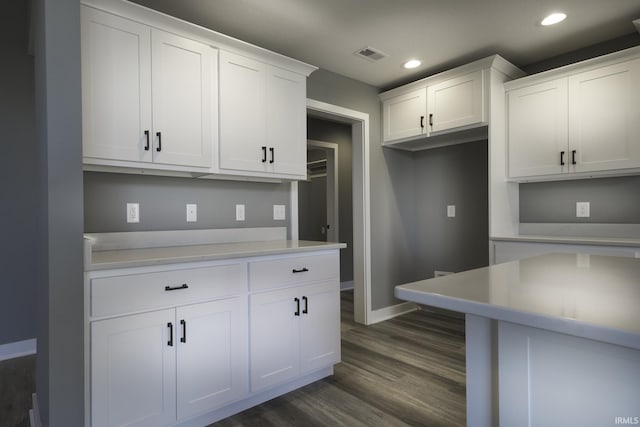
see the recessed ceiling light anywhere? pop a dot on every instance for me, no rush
(412, 63)
(554, 18)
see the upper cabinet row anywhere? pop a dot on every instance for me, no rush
(576, 122)
(446, 108)
(154, 100)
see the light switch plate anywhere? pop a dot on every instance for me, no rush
(239, 212)
(583, 210)
(192, 212)
(279, 212)
(133, 212)
(451, 211)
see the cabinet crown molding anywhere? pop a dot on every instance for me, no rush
(217, 40)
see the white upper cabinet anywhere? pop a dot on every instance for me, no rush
(147, 94)
(183, 75)
(456, 102)
(447, 108)
(262, 119)
(405, 115)
(604, 117)
(579, 123)
(537, 129)
(116, 87)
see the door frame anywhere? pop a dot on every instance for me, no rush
(333, 206)
(359, 122)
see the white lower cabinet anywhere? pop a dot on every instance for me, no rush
(293, 331)
(155, 368)
(191, 344)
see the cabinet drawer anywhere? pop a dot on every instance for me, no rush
(275, 273)
(136, 292)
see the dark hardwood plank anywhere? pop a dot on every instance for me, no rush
(405, 371)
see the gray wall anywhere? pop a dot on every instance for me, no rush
(390, 248)
(163, 202)
(58, 252)
(18, 178)
(339, 133)
(454, 175)
(613, 200)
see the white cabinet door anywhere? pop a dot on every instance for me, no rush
(286, 121)
(274, 337)
(405, 115)
(537, 129)
(320, 326)
(116, 87)
(604, 117)
(212, 355)
(182, 100)
(133, 370)
(456, 102)
(243, 117)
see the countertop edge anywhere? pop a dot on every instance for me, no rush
(231, 254)
(560, 325)
(595, 241)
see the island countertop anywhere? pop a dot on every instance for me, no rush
(140, 257)
(589, 296)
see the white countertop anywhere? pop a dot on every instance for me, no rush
(589, 296)
(571, 240)
(125, 258)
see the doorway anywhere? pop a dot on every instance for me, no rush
(359, 123)
(318, 196)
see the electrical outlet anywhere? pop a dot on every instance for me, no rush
(133, 212)
(192, 212)
(583, 210)
(239, 212)
(279, 212)
(451, 211)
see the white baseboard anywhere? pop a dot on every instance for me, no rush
(390, 312)
(347, 285)
(17, 349)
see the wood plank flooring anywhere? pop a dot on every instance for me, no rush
(405, 371)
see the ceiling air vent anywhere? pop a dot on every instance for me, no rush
(370, 54)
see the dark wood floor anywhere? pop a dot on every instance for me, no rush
(405, 371)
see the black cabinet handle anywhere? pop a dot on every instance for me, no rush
(305, 310)
(170, 326)
(159, 135)
(176, 288)
(431, 120)
(573, 157)
(302, 270)
(297, 312)
(184, 330)
(422, 122)
(272, 151)
(146, 147)
(562, 158)
(264, 154)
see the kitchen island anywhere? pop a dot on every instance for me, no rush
(550, 340)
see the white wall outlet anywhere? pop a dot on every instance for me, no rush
(451, 211)
(583, 210)
(192, 212)
(279, 212)
(133, 212)
(239, 212)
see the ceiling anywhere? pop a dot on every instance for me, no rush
(442, 33)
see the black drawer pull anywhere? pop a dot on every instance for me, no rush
(184, 330)
(431, 120)
(305, 310)
(272, 151)
(146, 147)
(297, 312)
(264, 154)
(176, 288)
(303, 270)
(562, 158)
(422, 122)
(159, 147)
(573, 157)
(170, 326)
